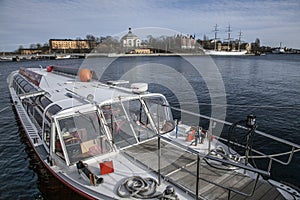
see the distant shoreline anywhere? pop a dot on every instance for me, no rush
(148, 55)
(110, 55)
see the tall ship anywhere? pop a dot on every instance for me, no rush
(278, 50)
(228, 52)
(108, 141)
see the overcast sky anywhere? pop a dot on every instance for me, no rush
(25, 22)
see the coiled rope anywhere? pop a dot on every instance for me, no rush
(138, 187)
(144, 188)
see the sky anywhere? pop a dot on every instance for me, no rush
(37, 21)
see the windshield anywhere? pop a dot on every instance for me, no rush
(83, 136)
(159, 112)
(129, 122)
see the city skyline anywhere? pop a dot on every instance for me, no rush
(31, 22)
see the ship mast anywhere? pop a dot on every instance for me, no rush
(229, 37)
(240, 37)
(215, 40)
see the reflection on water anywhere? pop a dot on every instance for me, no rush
(257, 81)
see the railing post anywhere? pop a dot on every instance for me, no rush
(112, 128)
(248, 145)
(176, 128)
(159, 155)
(158, 148)
(270, 164)
(229, 193)
(209, 134)
(198, 178)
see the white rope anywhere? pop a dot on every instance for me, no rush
(3, 109)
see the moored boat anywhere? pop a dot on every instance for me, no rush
(228, 52)
(278, 50)
(103, 141)
(225, 53)
(63, 57)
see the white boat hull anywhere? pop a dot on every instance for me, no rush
(225, 53)
(107, 131)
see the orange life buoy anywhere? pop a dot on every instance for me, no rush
(85, 75)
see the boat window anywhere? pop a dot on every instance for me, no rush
(30, 108)
(45, 101)
(83, 136)
(120, 125)
(141, 121)
(23, 83)
(138, 113)
(54, 109)
(19, 79)
(160, 113)
(32, 89)
(15, 85)
(27, 87)
(58, 146)
(47, 132)
(16, 77)
(128, 122)
(38, 116)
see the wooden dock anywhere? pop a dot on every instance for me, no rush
(180, 167)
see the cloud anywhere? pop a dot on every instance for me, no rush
(35, 21)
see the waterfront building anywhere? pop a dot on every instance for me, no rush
(130, 40)
(69, 44)
(141, 51)
(31, 51)
(187, 41)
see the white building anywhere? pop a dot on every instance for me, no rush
(188, 42)
(130, 40)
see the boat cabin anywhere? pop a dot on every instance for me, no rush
(78, 121)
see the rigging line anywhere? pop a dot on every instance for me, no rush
(246, 106)
(4, 109)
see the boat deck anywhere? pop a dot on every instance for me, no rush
(180, 167)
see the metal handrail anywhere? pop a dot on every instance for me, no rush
(294, 147)
(242, 166)
(32, 94)
(262, 155)
(239, 126)
(231, 189)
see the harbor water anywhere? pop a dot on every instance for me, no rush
(266, 86)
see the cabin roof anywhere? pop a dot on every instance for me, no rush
(60, 89)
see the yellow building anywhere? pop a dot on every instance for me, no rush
(68, 44)
(30, 51)
(141, 51)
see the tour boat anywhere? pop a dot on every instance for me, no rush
(110, 141)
